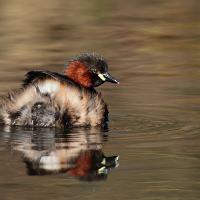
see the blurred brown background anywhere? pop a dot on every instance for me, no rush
(146, 36)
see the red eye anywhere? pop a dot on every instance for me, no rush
(94, 71)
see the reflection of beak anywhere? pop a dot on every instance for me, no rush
(107, 77)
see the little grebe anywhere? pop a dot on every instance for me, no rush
(49, 99)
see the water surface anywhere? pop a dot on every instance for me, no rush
(152, 47)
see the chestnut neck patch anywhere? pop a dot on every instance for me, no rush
(79, 73)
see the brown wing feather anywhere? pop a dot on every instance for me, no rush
(35, 75)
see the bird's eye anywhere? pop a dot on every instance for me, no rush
(94, 70)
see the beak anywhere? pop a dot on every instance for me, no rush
(109, 78)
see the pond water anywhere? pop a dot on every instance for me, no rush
(152, 47)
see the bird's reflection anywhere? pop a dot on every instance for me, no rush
(77, 152)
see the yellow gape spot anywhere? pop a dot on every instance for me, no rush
(102, 170)
(101, 77)
(103, 162)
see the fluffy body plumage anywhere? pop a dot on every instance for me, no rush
(49, 99)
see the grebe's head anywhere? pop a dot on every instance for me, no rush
(89, 70)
